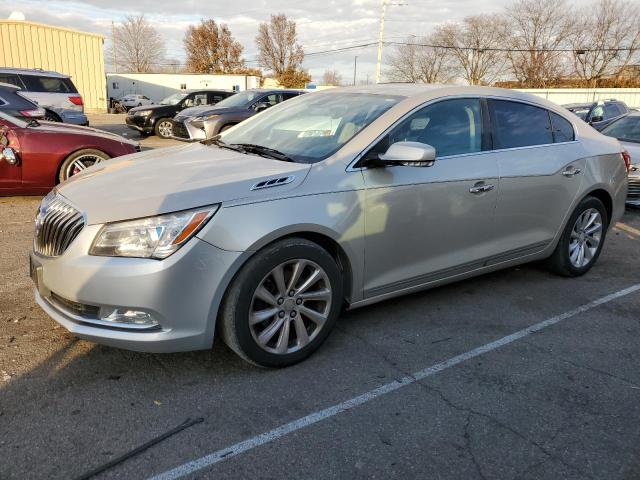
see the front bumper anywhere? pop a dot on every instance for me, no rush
(186, 131)
(182, 292)
(140, 124)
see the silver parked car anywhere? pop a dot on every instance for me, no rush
(627, 130)
(343, 197)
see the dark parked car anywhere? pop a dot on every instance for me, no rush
(150, 119)
(35, 156)
(13, 103)
(200, 123)
(599, 114)
(627, 130)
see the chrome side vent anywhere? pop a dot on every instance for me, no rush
(273, 182)
(57, 225)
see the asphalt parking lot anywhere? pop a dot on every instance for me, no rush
(431, 385)
(115, 123)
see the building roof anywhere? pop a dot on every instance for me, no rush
(50, 27)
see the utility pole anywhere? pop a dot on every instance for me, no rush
(385, 3)
(381, 39)
(355, 69)
(113, 47)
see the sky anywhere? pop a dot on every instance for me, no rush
(322, 24)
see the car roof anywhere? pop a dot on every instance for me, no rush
(33, 71)
(193, 90)
(578, 105)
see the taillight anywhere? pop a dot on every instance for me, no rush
(76, 100)
(32, 113)
(627, 160)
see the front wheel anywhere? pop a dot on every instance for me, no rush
(582, 239)
(164, 128)
(282, 304)
(79, 161)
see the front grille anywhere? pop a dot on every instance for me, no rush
(75, 308)
(179, 130)
(57, 225)
(634, 188)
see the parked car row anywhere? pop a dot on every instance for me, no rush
(599, 114)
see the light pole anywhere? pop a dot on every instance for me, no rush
(355, 69)
(385, 3)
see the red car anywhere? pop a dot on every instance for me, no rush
(36, 155)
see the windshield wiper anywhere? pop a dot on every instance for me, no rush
(265, 151)
(220, 144)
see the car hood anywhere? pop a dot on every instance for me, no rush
(67, 128)
(155, 108)
(208, 110)
(173, 179)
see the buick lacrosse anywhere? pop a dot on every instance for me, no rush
(335, 199)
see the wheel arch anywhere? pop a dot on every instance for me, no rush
(76, 150)
(605, 197)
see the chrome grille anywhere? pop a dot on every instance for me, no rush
(57, 225)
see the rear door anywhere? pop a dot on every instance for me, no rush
(540, 166)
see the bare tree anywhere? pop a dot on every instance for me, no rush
(332, 77)
(606, 39)
(534, 32)
(280, 52)
(421, 60)
(138, 46)
(212, 49)
(472, 44)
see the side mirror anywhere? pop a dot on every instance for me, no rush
(9, 155)
(596, 119)
(260, 106)
(409, 154)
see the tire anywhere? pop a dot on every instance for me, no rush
(86, 157)
(51, 117)
(160, 128)
(566, 259)
(242, 300)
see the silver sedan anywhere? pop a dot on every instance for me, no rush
(336, 199)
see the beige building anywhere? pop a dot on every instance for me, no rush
(71, 52)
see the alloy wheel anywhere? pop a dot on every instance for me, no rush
(165, 129)
(81, 163)
(586, 236)
(290, 306)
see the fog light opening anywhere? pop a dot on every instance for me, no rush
(129, 317)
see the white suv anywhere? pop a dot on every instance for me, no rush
(135, 100)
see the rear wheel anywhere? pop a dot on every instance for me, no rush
(164, 128)
(282, 304)
(51, 117)
(582, 239)
(79, 161)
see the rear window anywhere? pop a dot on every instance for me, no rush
(562, 129)
(520, 125)
(40, 84)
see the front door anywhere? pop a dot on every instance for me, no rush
(429, 223)
(10, 175)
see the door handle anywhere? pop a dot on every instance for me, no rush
(571, 171)
(481, 187)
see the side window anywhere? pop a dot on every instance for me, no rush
(272, 99)
(611, 110)
(562, 129)
(34, 83)
(200, 99)
(289, 95)
(452, 127)
(188, 101)
(519, 124)
(2, 102)
(11, 79)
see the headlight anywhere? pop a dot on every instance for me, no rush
(203, 118)
(142, 113)
(151, 237)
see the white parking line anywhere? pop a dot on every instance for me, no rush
(315, 417)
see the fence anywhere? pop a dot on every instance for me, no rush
(562, 96)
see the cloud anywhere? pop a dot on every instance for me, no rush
(321, 25)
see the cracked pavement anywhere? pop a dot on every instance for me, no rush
(562, 403)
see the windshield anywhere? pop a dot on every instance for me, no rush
(241, 99)
(627, 129)
(16, 121)
(173, 99)
(581, 112)
(313, 126)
